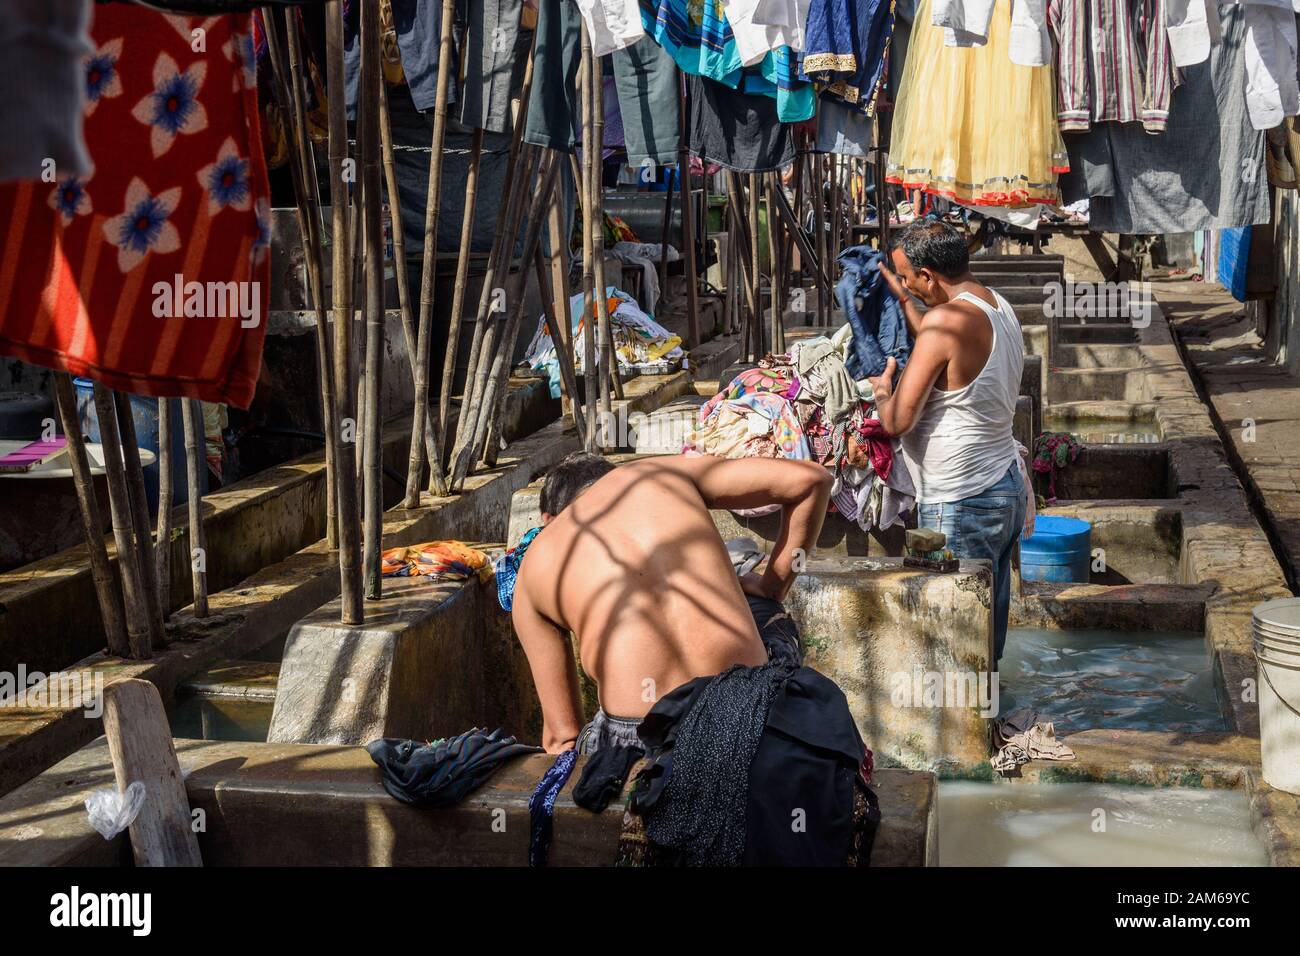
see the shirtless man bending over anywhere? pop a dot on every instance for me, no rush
(630, 562)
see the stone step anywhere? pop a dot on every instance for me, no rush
(1124, 607)
(305, 805)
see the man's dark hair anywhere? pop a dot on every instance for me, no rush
(566, 480)
(934, 245)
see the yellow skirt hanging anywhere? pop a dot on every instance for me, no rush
(971, 125)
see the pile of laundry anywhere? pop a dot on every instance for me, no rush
(640, 343)
(440, 560)
(1024, 735)
(806, 406)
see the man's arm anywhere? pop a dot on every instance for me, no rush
(801, 488)
(555, 673)
(900, 405)
(912, 313)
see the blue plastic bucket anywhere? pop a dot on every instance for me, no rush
(144, 413)
(1059, 551)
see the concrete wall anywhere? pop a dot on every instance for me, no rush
(1283, 313)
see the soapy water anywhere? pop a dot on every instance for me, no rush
(1093, 824)
(1090, 679)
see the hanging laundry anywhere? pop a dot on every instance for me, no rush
(553, 107)
(739, 130)
(966, 23)
(843, 129)
(846, 48)
(971, 125)
(640, 343)
(604, 775)
(42, 47)
(417, 30)
(1272, 87)
(649, 99)
(761, 26)
(444, 772)
(1053, 452)
(495, 44)
(875, 315)
(150, 273)
(1140, 184)
(541, 807)
(1114, 63)
(440, 560)
(1194, 29)
(612, 24)
(698, 36)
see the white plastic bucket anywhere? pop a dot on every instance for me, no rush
(1276, 626)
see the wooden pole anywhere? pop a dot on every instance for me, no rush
(774, 261)
(688, 226)
(138, 631)
(755, 265)
(163, 536)
(368, 106)
(349, 544)
(561, 331)
(819, 212)
(459, 293)
(433, 208)
(494, 395)
(140, 746)
(92, 521)
(140, 518)
(195, 462)
(609, 359)
(303, 171)
(472, 412)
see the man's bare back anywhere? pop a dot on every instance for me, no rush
(636, 570)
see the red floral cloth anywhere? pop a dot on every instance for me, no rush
(89, 264)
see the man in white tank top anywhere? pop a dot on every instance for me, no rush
(954, 404)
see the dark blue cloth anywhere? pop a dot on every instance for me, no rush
(418, 25)
(860, 28)
(879, 325)
(541, 807)
(444, 772)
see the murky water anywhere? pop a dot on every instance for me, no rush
(222, 718)
(1093, 824)
(1084, 680)
(1101, 432)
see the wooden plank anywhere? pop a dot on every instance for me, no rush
(140, 743)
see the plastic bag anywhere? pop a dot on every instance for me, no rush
(111, 811)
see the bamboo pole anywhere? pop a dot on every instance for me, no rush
(472, 411)
(688, 225)
(368, 107)
(819, 211)
(195, 460)
(664, 243)
(163, 535)
(433, 209)
(138, 632)
(773, 254)
(756, 266)
(561, 331)
(303, 171)
(455, 322)
(609, 358)
(591, 374)
(92, 521)
(140, 519)
(494, 396)
(353, 611)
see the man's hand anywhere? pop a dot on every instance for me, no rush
(893, 282)
(882, 386)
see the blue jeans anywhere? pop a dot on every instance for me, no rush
(986, 525)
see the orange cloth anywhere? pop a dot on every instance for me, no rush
(444, 560)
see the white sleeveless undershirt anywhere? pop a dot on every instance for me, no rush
(962, 443)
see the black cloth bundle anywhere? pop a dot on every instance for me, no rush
(443, 772)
